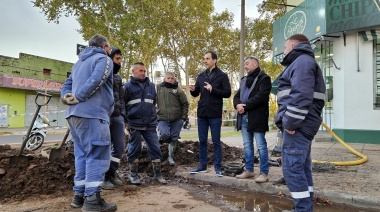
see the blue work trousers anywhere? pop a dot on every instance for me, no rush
(249, 150)
(297, 170)
(92, 153)
(152, 144)
(215, 125)
(169, 131)
(118, 142)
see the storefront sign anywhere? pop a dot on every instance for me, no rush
(344, 15)
(307, 18)
(29, 83)
(315, 18)
(295, 24)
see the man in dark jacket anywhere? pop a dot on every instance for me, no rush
(300, 99)
(140, 100)
(116, 123)
(213, 85)
(252, 104)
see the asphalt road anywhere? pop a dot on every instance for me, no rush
(14, 139)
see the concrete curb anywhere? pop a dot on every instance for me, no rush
(356, 200)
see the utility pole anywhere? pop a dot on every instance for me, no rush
(242, 38)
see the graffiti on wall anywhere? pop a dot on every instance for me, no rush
(3, 115)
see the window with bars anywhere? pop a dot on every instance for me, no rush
(377, 74)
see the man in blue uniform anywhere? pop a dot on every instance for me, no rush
(88, 92)
(300, 99)
(140, 100)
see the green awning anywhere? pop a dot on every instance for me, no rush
(370, 35)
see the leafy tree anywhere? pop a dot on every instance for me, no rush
(260, 34)
(175, 32)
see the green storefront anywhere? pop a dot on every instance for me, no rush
(20, 80)
(343, 34)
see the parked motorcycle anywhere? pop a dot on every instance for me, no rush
(38, 134)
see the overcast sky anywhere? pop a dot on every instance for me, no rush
(25, 29)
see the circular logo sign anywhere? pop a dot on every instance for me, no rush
(295, 24)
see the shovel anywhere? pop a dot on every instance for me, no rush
(59, 153)
(21, 158)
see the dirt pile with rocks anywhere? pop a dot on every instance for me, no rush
(32, 174)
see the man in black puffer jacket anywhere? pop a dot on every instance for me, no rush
(300, 98)
(116, 123)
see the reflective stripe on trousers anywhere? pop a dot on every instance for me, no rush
(296, 167)
(92, 153)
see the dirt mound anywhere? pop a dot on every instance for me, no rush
(33, 174)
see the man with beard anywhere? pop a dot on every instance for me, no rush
(252, 104)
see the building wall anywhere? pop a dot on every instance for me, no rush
(20, 99)
(32, 66)
(354, 117)
(16, 105)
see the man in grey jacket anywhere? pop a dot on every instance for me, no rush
(89, 96)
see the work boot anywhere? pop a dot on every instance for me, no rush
(245, 175)
(263, 178)
(171, 148)
(280, 181)
(157, 171)
(115, 180)
(107, 185)
(96, 203)
(77, 201)
(134, 168)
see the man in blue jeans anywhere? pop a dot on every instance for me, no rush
(252, 104)
(213, 85)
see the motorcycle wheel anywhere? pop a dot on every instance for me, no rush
(34, 142)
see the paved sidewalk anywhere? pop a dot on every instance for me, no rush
(357, 185)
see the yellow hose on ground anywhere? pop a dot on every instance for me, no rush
(347, 163)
